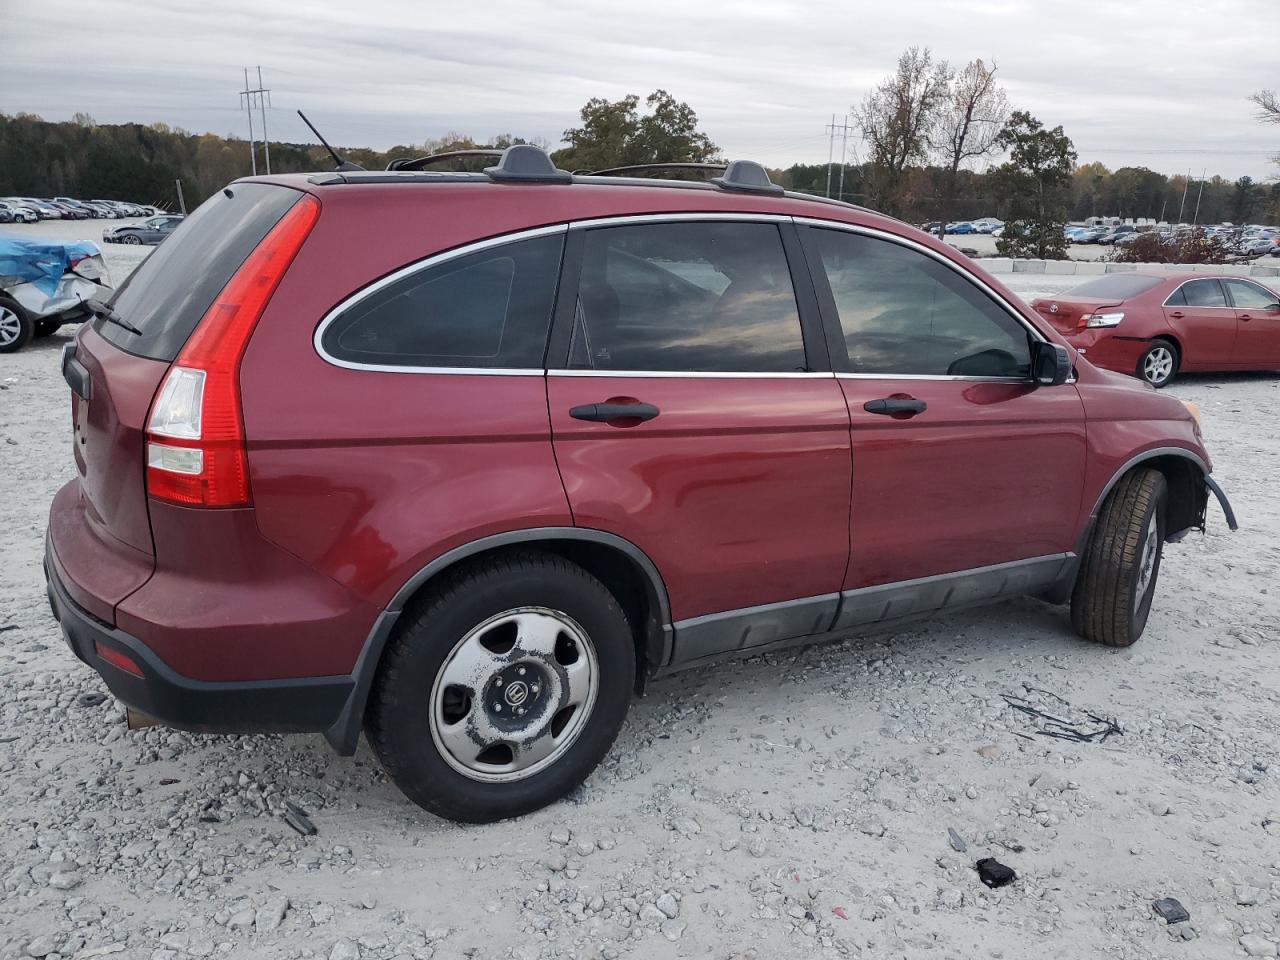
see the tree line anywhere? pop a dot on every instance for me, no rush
(926, 126)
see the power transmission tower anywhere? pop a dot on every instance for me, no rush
(832, 129)
(261, 99)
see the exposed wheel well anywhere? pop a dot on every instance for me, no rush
(1170, 338)
(1187, 494)
(622, 576)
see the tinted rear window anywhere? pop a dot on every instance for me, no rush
(1118, 286)
(171, 290)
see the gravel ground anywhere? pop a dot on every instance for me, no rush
(788, 806)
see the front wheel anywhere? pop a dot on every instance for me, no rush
(504, 689)
(1117, 577)
(1159, 363)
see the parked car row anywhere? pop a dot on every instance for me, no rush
(31, 209)
(985, 225)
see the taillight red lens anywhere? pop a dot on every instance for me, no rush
(118, 659)
(215, 350)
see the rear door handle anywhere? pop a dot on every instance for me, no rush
(605, 412)
(890, 406)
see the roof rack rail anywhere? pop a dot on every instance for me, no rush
(644, 167)
(417, 163)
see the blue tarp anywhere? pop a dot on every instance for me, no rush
(41, 264)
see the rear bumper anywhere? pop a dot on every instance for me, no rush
(312, 704)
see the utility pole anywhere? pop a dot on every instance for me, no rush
(261, 99)
(1196, 219)
(831, 150)
(843, 129)
(1183, 205)
(248, 105)
(182, 203)
(262, 111)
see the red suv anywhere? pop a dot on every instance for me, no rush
(462, 458)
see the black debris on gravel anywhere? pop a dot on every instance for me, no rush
(994, 873)
(1065, 722)
(1170, 910)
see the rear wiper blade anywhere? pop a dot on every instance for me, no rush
(100, 309)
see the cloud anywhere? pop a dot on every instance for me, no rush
(1131, 84)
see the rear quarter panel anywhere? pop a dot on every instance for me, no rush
(367, 476)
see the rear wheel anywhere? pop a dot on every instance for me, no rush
(16, 327)
(504, 690)
(1159, 363)
(1117, 578)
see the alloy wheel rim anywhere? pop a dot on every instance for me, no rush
(10, 327)
(514, 694)
(1147, 565)
(1158, 365)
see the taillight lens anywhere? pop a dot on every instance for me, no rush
(195, 434)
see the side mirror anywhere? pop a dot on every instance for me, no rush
(1050, 364)
(1272, 308)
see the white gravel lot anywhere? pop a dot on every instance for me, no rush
(788, 806)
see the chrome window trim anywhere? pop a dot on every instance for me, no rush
(929, 252)
(697, 374)
(932, 376)
(417, 266)
(627, 220)
(1225, 295)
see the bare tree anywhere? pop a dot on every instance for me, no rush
(1268, 106)
(897, 120)
(1268, 110)
(969, 121)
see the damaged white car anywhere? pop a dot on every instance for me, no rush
(46, 284)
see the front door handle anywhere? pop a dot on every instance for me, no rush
(608, 412)
(896, 407)
(1177, 314)
(1245, 316)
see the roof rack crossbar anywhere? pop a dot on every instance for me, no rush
(417, 163)
(660, 167)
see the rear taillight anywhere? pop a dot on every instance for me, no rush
(195, 435)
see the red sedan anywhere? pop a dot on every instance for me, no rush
(1153, 325)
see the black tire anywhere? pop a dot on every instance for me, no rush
(1159, 363)
(1111, 599)
(16, 326)
(399, 720)
(47, 328)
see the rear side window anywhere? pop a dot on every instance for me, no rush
(169, 293)
(487, 309)
(1114, 286)
(904, 313)
(1199, 293)
(687, 298)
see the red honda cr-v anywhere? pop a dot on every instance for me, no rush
(460, 459)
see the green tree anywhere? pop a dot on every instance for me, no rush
(1035, 184)
(615, 134)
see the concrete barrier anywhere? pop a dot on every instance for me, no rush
(1092, 268)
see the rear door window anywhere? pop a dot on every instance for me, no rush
(690, 297)
(167, 295)
(1203, 293)
(487, 309)
(904, 313)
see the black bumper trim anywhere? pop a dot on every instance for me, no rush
(1216, 490)
(306, 705)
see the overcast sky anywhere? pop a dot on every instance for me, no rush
(1141, 82)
